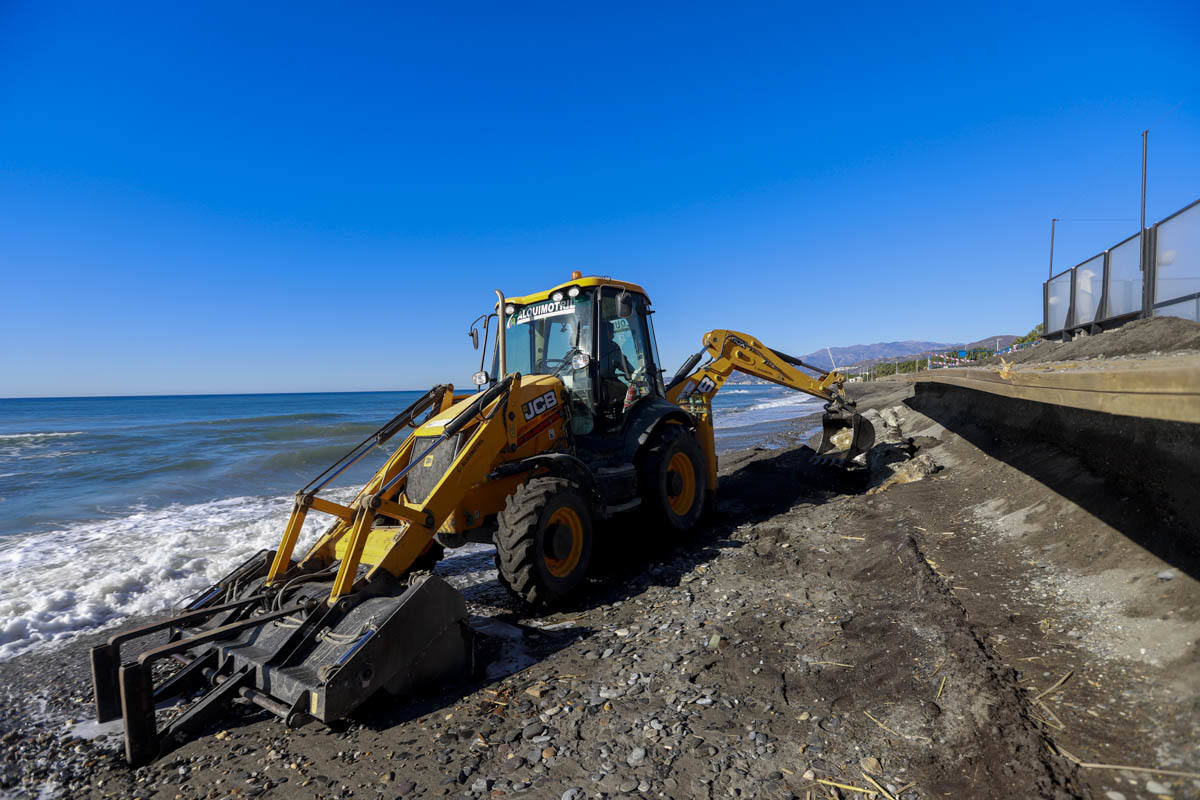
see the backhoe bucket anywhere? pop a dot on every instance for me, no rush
(286, 650)
(836, 420)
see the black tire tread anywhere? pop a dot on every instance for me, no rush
(516, 546)
(652, 463)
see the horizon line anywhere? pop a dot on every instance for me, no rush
(198, 394)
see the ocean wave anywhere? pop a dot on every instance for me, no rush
(80, 579)
(735, 391)
(34, 437)
(92, 576)
(795, 399)
(777, 409)
(350, 432)
(304, 416)
(18, 454)
(308, 458)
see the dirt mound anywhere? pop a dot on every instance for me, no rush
(1138, 338)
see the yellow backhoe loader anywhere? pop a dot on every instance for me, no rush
(574, 423)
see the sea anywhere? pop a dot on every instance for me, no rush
(118, 507)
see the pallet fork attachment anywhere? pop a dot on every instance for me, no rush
(303, 660)
(300, 640)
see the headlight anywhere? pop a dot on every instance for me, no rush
(573, 291)
(510, 309)
(580, 360)
(480, 378)
(557, 297)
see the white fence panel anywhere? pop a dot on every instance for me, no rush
(1178, 256)
(1125, 277)
(1060, 301)
(1089, 283)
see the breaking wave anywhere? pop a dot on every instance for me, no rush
(62, 583)
(776, 409)
(35, 437)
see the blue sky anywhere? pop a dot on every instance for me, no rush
(303, 197)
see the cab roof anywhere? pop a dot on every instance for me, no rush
(586, 282)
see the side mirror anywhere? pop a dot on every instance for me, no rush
(624, 305)
(474, 334)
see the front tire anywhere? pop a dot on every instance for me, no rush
(674, 479)
(544, 540)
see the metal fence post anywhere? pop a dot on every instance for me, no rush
(1149, 270)
(1102, 307)
(1070, 323)
(1046, 308)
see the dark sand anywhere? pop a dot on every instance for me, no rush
(1143, 337)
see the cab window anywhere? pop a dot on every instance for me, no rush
(625, 358)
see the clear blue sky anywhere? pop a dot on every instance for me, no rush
(213, 198)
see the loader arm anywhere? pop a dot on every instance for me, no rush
(354, 539)
(693, 389)
(316, 637)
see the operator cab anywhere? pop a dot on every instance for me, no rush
(597, 337)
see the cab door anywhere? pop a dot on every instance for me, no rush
(626, 355)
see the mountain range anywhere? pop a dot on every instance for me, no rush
(858, 357)
(863, 355)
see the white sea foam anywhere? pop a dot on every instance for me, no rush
(26, 446)
(23, 455)
(787, 401)
(792, 404)
(63, 583)
(33, 437)
(92, 575)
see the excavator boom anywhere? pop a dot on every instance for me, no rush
(694, 386)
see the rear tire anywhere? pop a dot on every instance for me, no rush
(544, 540)
(674, 483)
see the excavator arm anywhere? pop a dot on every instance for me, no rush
(695, 384)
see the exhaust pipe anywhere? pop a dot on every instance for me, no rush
(500, 337)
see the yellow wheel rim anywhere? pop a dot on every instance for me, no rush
(681, 465)
(568, 519)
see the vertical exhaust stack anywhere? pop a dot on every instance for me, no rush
(502, 367)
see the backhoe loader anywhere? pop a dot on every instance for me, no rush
(574, 423)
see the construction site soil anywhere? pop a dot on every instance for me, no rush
(1143, 337)
(947, 626)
